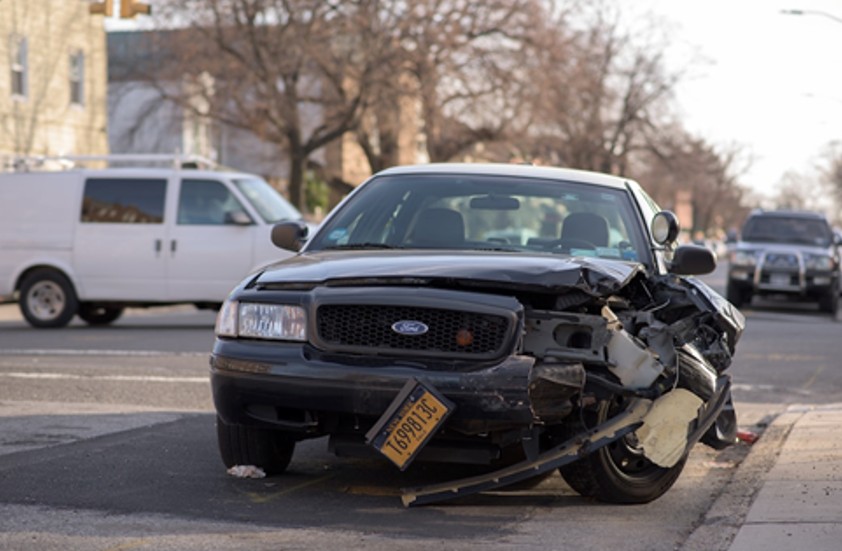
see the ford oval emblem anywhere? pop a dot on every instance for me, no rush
(409, 327)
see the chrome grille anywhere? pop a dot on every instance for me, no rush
(777, 260)
(451, 333)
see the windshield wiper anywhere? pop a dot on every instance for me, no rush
(363, 246)
(496, 248)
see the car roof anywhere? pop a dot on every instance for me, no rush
(788, 214)
(511, 169)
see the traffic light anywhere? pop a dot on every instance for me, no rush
(129, 9)
(105, 8)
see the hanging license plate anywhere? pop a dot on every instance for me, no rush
(411, 420)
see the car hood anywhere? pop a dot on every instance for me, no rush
(470, 268)
(782, 247)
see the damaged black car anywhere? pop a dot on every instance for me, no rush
(529, 318)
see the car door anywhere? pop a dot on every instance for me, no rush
(211, 243)
(118, 243)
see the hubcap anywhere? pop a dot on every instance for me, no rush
(46, 300)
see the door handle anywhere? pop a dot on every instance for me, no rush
(157, 246)
(172, 247)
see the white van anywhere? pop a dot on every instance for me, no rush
(90, 242)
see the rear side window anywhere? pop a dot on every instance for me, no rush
(124, 201)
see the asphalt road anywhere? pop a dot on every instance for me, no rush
(107, 442)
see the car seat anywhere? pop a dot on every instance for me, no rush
(439, 227)
(585, 226)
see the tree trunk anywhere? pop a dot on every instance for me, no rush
(296, 181)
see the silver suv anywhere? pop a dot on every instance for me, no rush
(787, 253)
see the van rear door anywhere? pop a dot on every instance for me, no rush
(119, 243)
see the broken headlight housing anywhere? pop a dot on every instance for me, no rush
(261, 321)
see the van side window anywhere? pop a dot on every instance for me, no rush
(206, 202)
(124, 201)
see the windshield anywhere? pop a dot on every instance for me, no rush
(794, 230)
(485, 212)
(266, 201)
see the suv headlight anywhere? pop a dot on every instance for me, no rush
(261, 321)
(819, 262)
(744, 258)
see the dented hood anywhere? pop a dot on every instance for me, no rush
(548, 272)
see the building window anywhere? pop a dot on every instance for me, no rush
(77, 78)
(20, 69)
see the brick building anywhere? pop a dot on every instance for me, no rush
(53, 86)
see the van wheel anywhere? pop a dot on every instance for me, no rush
(97, 314)
(271, 450)
(47, 299)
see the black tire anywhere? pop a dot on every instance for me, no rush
(271, 450)
(95, 314)
(47, 299)
(619, 473)
(737, 296)
(829, 302)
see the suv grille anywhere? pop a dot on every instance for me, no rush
(451, 333)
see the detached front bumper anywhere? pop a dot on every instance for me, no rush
(293, 388)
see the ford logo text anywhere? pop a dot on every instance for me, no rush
(409, 327)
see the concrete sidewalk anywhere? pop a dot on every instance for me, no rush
(799, 505)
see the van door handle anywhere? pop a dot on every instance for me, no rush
(172, 247)
(157, 246)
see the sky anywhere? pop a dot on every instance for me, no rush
(767, 82)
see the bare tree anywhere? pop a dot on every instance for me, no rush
(831, 176)
(296, 73)
(681, 162)
(605, 93)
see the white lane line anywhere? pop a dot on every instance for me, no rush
(118, 378)
(92, 352)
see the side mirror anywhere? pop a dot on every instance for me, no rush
(665, 227)
(290, 235)
(238, 218)
(692, 260)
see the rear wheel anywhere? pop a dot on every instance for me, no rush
(96, 314)
(47, 299)
(619, 472)
(271, 450)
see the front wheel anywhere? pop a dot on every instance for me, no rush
(47, 299)
(737, 296)
(829, 302)
(271, 450)
(619, 472)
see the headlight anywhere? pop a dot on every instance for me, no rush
(743, 258)
(226, 319)
(262, 321)
(819, 262)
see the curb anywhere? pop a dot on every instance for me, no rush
(729, 511)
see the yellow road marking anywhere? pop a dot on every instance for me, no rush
(813, 377)
(256, 497)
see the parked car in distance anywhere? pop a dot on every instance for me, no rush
(90, 242)
(791, 254)
(407, 328)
